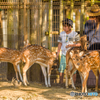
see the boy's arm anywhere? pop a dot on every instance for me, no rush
(59, 47)
(73, 45)
(77, 38)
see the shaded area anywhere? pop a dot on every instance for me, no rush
(39, 92)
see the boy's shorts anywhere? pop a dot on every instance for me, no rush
(62, 64)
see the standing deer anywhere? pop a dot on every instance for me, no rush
(69, 63)
(12, 56)
(89, 61)
(37, 54)
(76, 55)
(70, 68)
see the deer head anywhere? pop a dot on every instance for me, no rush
(26, 43)
(84, 42)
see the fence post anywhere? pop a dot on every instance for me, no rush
(61, 15)
(4, 66)
(45, 25)
(61, 18)
(25, 33)
(71, 12)
(28, 21)
(50, 24)
(40, 23)
(92, 2)
(82, 17)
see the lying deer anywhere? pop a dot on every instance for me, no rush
(12, 56)
(37, 54)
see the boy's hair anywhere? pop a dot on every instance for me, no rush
(67, 22)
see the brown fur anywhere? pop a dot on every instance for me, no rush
(36, 54)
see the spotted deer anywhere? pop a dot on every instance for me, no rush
(12, 56)
(69, 63)
(37, 54)
(26, 43)
(88, 61)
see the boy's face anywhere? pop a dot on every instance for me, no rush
(67, 28)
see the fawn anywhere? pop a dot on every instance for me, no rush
(37, 54)
(12, 56)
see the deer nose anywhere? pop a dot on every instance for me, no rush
(78, 64)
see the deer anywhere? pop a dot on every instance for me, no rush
(88, 61)
(37, 54)
(83, 61)
(12, 56)
(69, 63)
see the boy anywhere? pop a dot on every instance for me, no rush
(66, 39)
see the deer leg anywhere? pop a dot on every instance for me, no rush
(27, 81)
(85, 87)
(18, 67)
(49, 72)
(66, 82)
(25, 68)
(16, 71)
(82, 79)
(97, 77)
(67, 66)
(96, 72)
(72, 72)
(84, 82)
(45, 75)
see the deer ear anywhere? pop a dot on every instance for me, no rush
(27, 41)
(24, 42)
(54, 54)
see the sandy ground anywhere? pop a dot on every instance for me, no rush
(37, 91)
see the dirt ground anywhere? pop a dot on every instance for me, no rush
(37, 91)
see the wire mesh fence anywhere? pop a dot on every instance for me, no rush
(40, 22)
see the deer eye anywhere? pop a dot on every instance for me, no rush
(73, 58)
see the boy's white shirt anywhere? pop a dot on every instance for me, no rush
(67, 39)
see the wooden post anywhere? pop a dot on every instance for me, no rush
(27, 28)
(82, 17)
(40, 23)
(4, 66)
(61, 16)
(15, 27)
(34, 23)
(71, 12)
(92, 2)
(21, 28)
(25, 33)
(4, 27)
(28, 22)
(77, 21)
(50, 24)
(45, 25)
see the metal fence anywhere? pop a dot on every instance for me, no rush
(39, 21)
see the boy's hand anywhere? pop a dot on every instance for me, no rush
(70, 45)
